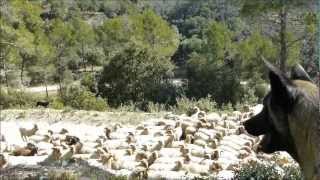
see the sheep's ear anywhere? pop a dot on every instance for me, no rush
(297, 72)
(281, 88)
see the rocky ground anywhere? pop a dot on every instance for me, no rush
(134, 145)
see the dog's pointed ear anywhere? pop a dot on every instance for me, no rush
(281, 88)
(297, 72)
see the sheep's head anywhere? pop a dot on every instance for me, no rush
(35, 127)
(63, 131)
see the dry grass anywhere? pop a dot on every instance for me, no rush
(79, 116)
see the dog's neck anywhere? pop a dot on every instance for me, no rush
(304, 128)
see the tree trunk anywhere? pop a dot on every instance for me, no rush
(46, 85)
(283, 38)
(22, 71)
(6, 75)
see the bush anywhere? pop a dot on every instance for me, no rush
(135, 74)
(261, 171)
(205, 104)
(258, 171)
(57, 103)
(88, 81)
(11, 98)
(80, 98)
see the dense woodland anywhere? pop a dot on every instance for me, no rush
(110, 53)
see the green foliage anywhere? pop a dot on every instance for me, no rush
(268, 171)
(205, 104)
(145, 29)
(88, 81)
(57, 104)
(251, 52)
(134, 75)
(214, 70)
(11, 98)
(80, 98)
(55, 175)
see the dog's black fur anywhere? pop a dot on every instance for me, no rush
(42, 103)
(289, 119)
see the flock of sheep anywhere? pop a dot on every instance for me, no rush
(176, 146)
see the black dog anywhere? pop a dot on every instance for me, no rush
(42, 103)
(290, 119)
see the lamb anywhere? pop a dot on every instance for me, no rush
(28, 132)
(29, 150)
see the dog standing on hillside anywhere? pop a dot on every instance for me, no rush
(290, 119)
(44, 104)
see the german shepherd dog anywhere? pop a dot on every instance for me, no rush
(44, 104)
(290, 119)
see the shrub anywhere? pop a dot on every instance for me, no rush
(135, 74)
(184, 104)
(261, 171)
(57, 103)
(155, 107)
(54, 175)
(258, 171)
(215, 69)
(88, 81)
(80, 98)
(12, 98)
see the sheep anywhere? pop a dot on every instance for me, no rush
(97, 153)
(189, 139)
(200, 142)
(53, 157)
(197, 169)
(170, 152)
(213, 117)
(28, 132)
(128, 162)
(145, 131)
(77, 147)
(66, 157)
(152, 157)
(106, 159)
(157, 146)
(37, 139)
(141, 155)
(166, 167)
(116, 127)
(168, 141)
(168, 160)
(64, 131)
(2, 138)
(29, 150)
(140, 171)
(178, 131)
(193, 112)
(3, 162)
